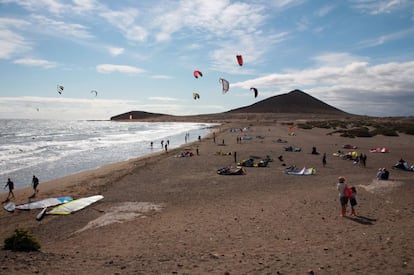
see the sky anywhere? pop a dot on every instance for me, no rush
(356, 55)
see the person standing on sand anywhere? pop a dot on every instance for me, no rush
(324, 160)
(343, 199)
(10, 184)
(353, 201)
(35, 183)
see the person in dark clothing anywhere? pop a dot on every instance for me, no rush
(10, 184)
(35, 183)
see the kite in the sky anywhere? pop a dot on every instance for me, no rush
(239, 60)
(255, 91)
(94, 92)
(225, 84)
(60, 89)
(196, 96)
(197, 74)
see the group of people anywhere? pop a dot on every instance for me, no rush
(346, 194)
(10, 185)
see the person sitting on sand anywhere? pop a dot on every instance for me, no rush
(314, 152)
(383, 174)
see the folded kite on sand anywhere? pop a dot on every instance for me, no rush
(251, 163)
(302, 172)
(379, 150)
(231, 171)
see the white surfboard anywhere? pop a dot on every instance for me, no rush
(43, 203)
(74, 205)
(9, 206)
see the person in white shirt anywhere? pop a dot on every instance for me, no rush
(343, 198)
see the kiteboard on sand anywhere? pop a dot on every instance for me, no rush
(43, 203)
(74, 205)
(9, 206)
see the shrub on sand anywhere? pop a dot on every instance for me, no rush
(21, 240)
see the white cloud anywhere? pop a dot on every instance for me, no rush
(161, 77)
(325, 10)
(387, 38)
(284, 4)
(35, 63)
(336, 59)
(60, 28)
(56, 7)
(115, 51)
(376, 7)
(351, 83)
(93, 108)
(125, 21)
(63, 108)
(12, 43)
(162, 98)
(111, 68)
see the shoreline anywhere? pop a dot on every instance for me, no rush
(122, 168)
(19, 184)
(188, 219)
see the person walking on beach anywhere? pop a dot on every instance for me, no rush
(343, 199)
(353, 201)
(10, 184)
(35, 183)
(324, 160)
(363, 159)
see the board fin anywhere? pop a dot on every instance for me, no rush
(41, 214)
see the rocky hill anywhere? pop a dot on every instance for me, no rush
(295, 102)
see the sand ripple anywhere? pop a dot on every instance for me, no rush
(123, 212)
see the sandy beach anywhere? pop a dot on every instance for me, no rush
(164, 214)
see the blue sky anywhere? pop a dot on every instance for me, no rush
(356, 55)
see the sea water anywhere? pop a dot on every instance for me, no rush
(52, 149)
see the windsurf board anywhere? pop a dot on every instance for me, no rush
(43, 203)
(74, 205)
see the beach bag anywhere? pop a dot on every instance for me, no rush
(348, 192)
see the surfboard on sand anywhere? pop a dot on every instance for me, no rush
(43, 203)
(9, 206)
(74, 205)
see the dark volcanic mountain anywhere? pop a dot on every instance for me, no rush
(295, 101)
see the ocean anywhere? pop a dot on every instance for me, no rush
(52, 149)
